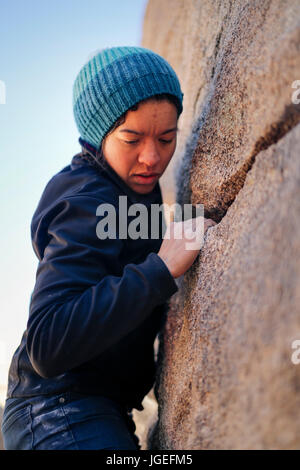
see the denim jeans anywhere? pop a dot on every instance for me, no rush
(67, 421)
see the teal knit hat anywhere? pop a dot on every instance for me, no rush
(112, 81)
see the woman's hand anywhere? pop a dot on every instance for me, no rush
(176, 250)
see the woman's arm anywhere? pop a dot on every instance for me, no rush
(77, 310)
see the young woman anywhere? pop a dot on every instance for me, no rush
(86, 358)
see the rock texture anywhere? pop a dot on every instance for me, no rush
(226, 379)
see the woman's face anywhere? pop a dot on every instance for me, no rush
(143, 145)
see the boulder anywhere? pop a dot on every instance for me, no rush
(226, 377)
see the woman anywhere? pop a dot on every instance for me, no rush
(86, 358)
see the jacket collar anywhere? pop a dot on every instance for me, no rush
(154, 197)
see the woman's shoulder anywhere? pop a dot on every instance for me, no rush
(71, 199)
(79, 180)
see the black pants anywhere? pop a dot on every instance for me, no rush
(67, 421)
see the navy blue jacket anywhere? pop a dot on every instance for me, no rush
(97, 305)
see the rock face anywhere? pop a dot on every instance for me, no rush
(226, 377)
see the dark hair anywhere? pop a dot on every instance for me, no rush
(99, 159)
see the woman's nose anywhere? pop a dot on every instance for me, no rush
(149, 154)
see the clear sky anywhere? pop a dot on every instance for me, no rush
(43, 45)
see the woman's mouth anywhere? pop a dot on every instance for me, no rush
(146, 178)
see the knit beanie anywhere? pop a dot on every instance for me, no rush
(112, 81)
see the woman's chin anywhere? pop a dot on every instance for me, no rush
(143, 188)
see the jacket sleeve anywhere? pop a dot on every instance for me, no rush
(77, 310)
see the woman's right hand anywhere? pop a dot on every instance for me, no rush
(174, 249)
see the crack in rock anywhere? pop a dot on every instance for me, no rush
(290, 118)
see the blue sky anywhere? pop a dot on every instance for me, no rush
(44, 43)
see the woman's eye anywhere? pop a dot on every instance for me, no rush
(131, 141)
(166, 141)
